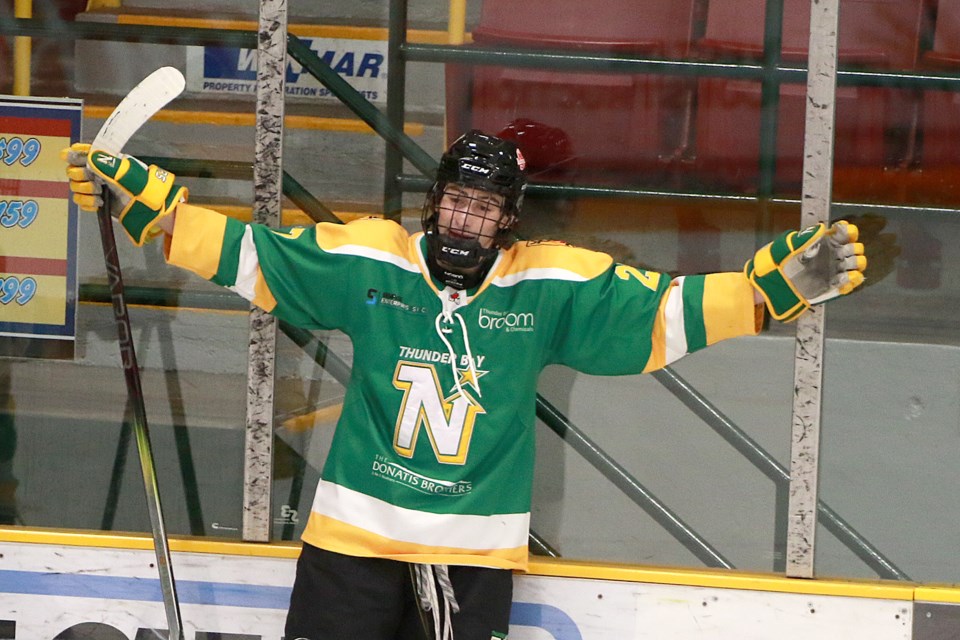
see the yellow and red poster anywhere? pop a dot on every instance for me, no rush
(38, 227)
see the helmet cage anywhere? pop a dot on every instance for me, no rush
(456, 259)
(483, 162)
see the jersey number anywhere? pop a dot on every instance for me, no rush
(649, 279)
(448, 421)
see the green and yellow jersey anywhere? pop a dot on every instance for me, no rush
(432, 459)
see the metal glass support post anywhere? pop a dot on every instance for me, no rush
(808, 361)
(396, 90)
(267, 195)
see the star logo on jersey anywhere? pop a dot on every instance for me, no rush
(470, 377)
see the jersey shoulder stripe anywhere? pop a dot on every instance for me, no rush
(550, 260)
(372, 238)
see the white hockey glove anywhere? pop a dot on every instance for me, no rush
(808, 267)
(143, 195)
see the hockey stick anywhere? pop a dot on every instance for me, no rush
(148, 97)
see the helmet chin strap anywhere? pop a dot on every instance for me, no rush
(458, 262)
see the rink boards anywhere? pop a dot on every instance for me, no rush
(67, 585)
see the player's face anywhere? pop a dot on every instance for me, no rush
(469, 213)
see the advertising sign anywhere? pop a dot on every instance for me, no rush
(224, 70)
(38, 227)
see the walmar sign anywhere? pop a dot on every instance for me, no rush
(226, 70)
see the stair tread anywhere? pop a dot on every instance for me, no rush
(208, 110)
(419, 31)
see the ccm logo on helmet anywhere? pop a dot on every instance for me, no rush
(455, 251)
(498, 320)
(475, 168)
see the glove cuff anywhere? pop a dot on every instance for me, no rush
(783, 302)
(151, 192)
(139, 218)
(765, 272)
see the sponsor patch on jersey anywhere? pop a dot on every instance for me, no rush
(387, 469)
(507, 321)
(392, 300)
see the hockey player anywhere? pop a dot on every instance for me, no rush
(423, 508)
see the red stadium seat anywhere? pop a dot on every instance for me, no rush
(941, 109)
(873, 34)
(625, 25)
(611, 121)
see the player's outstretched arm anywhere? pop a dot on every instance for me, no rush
(144, 197)
(803, 268)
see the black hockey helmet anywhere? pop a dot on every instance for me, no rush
(480, 161)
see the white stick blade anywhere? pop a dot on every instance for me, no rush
(146, 99)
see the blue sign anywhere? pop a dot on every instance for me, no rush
(225, 70)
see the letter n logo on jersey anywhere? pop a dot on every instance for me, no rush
(448, 421)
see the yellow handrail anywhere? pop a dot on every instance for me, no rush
(457, 23)
(21, 51)
(456, 34)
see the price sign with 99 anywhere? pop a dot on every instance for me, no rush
(38, 231)
(17, 290)
(14, 150)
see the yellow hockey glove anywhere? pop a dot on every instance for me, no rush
(143, 195)
(803, 268)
